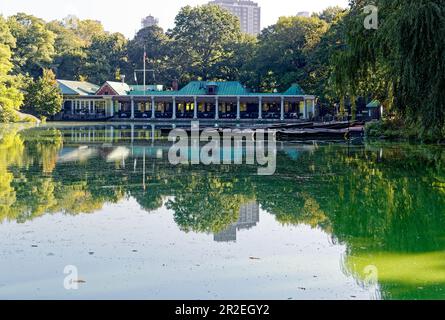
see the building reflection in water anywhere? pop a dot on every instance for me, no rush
(249, 217)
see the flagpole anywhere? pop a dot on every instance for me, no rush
(145, 85)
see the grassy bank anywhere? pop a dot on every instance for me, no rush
(399, 130)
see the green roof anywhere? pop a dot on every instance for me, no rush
(194, 88)
(77, 88)
(373, 104)
(294, 90)
(226, 88)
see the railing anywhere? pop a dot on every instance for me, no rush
(83, 117)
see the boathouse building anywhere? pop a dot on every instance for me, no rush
(211, 100)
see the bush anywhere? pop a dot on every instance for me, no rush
(7, 115)
(397, 129)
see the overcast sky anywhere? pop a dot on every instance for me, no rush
(125, 16)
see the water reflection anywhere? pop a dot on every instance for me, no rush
(385, 202)
(249, 217)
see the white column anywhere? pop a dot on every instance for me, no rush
(132, 108)
(216, 108)
(260, 108)
(89, 106)
(111, 134)
(238, 108)
(195, 109)
(132, 133)
(153, 108)
(313, 108)
(282, 109)
(305, 109)
(111, 108)
(174, 109)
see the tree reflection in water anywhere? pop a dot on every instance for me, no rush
(385, 202)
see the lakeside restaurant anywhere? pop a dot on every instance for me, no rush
(210, 100)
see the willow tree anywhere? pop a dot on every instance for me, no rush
(402, 62)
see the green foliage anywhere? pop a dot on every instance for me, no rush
(331, 14)
(106, 56)
(43, 95)
(284, 51)
(201, 41)
(10, 96)
(69, 51)
(206, 43)
(157, 46)
(85, 30)
(393, 129)
(77, 50)
(34, 48)
(212, 213)
(401, 63)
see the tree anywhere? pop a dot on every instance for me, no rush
(216, 207)
(284, 50)
(10, 96)
(201, 39)
(320, 62)
(404, 59)
(331, 14)
(44, 96)
(34, 48)
(237, 65)
(106, 57)
(69, 51)
(73, 40)
(156, 44)
(86, 30)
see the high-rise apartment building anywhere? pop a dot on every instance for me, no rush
(247, 11)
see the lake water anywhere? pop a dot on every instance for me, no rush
(336, 221)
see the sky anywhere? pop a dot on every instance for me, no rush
(125, 16)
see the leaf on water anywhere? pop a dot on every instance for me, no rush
(79, 281)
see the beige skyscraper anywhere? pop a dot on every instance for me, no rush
(247, 11)
(249, 217)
